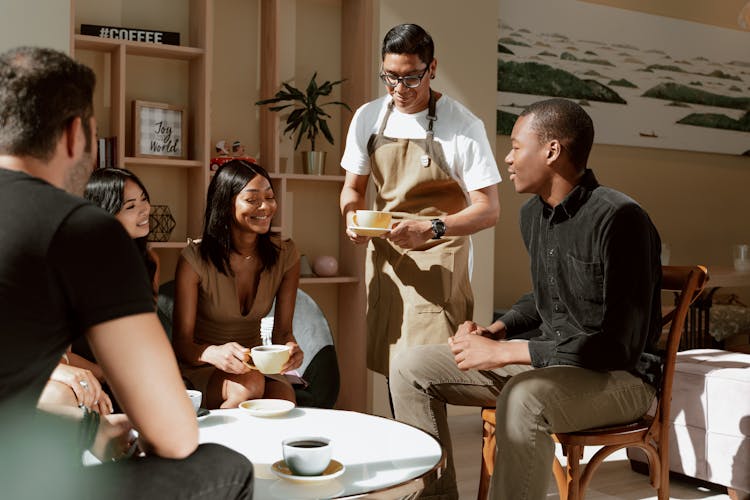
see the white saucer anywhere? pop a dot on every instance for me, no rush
(267, 407)
(334, 470)
(369, 231)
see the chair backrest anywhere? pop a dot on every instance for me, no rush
(309, 325)
(688, 282)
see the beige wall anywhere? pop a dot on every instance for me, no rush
(22, 24)
(235, 81)
(698, 201)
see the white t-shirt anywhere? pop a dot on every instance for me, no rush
(459, 132)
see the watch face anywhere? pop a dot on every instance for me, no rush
(438, 228)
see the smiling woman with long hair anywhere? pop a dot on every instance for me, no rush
(121, 193)
(78, 379)
(227, 282)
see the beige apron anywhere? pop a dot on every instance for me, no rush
(417, 296)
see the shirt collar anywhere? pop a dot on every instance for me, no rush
(575, 199)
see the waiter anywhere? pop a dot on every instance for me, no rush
(432, 167)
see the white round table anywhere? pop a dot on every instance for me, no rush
(381, 456)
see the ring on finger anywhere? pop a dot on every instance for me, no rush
(83, 384)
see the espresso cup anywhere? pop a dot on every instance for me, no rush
(372, 218)
(270, 358)
(195, 397)
(307, 455)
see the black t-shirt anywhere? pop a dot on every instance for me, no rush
(65, 266)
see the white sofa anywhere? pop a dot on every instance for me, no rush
(710, 438)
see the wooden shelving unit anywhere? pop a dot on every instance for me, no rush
(122, 59)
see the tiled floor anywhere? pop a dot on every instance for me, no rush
(613, 480)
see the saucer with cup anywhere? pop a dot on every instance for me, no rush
(371, 223)
(307, 459)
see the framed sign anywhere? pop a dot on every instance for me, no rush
(159, 130)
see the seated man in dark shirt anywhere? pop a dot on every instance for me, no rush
(572, 354)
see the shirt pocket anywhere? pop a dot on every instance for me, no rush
(586, 285)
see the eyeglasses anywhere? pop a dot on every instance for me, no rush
(411, 81)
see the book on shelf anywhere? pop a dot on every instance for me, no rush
(106, 154)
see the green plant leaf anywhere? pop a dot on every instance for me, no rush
(326, 131)
(307, 119)
(279, 108)
(302, 129)
(337, 102)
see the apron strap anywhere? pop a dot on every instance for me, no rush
(385, 118)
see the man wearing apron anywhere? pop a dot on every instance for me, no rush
(433, 169)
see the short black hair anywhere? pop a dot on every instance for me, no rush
(216, 245)
(409, 39)
(566, 121)
(41, 92)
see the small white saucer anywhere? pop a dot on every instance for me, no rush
(334, 470)
(369, 231)
(267, 407)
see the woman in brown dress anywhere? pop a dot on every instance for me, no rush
(227, 282)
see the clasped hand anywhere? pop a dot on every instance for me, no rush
(472, 350)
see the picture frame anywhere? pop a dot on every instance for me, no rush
(159, 130)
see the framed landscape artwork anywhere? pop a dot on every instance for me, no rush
(646, 80)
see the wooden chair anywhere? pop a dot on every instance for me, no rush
(650, 432)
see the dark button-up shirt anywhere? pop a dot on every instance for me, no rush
(596, 274)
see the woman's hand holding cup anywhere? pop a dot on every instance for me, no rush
(229, 357)
(296, 356)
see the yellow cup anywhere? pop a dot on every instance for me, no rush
(372, 218)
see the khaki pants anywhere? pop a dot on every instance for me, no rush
(531, 404)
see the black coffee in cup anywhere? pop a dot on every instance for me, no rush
(307, 444)
(307, 455)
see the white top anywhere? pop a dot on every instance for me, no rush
(377, 453)
(460, 133)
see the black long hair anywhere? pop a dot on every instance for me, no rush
(106, 188)
(216, 245)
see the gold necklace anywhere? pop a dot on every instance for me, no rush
(246, 257)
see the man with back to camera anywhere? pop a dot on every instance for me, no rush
(576, 352)
(433, 168)
(68, 269)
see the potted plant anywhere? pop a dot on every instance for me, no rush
(307, 118)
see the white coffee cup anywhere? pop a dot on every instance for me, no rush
(195, 397)
(270, 358)
(307, 455)
(372, 218)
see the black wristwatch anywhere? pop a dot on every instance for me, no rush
(438, 228)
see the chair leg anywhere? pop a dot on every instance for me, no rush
(561, 478)
(488, 460)
(573, 469)
(662, 492)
